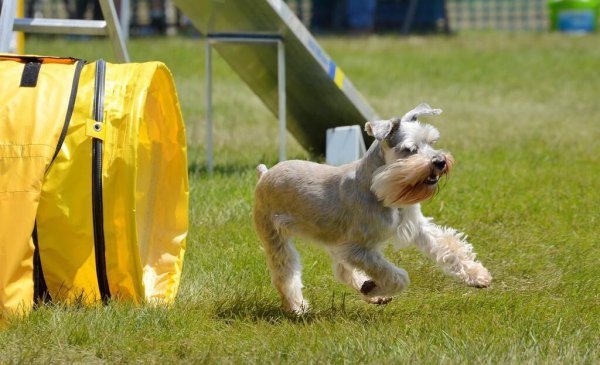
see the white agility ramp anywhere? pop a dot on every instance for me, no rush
(316, 93)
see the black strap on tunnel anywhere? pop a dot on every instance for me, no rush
(30, 74)
(40, 289)
(97, 204)
(41, 293)
(70, 107)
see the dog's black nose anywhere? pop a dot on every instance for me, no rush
(439, 163)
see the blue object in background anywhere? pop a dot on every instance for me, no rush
(576, 21)
(361, 14)
(379, 15)
(574, 16)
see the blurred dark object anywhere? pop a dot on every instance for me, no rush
(82, 6)
(156, 18)
(412, 16)
(29, 8)
(326, 15)
(380, 15)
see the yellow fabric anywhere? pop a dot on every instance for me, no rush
(145, 190)
(65, 225)
(29, 134)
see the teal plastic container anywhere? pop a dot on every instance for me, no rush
(574, 16)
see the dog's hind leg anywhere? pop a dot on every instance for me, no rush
(386, 279)
(284, 264)
(354, 278)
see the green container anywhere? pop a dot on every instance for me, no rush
(574, 16)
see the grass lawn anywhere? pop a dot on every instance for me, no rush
(521, 117)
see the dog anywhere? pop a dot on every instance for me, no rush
(354, 209)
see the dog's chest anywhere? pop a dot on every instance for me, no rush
(366, 220)
(378, 225)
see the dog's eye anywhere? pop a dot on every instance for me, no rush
(408, 151)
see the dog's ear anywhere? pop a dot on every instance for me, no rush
(421, 109)
(380, 129)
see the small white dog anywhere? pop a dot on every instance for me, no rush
(355, 208)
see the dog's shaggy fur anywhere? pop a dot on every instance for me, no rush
(355, 208)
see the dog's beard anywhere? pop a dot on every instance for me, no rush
(408, 181)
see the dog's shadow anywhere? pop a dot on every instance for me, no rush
(253, 309)
(248, 309)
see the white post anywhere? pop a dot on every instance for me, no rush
(125, 18)
(281, 100)
(7, 19)
(208, 92)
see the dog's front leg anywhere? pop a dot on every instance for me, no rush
(354, 278)
(385, 278)
(446, 246)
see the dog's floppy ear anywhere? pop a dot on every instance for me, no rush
(380, 129)
(421, 109)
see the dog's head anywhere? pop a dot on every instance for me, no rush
(413, 167)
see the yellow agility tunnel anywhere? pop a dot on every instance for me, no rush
(93, 182)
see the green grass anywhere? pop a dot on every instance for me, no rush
(522, 118)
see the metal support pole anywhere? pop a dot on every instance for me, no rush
(125, 18)
(61, 26)
(114, 30)
(208, 92)
(7, 19)
(246, 38)
(281, 99)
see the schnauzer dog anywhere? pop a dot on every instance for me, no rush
(354, 209)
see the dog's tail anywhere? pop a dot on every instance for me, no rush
(261, 170)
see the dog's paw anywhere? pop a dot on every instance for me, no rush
(368, 287)
(378, 300)
(399, 281)
(478, 276)
(298, 309)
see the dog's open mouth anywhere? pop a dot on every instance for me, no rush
(432, 179)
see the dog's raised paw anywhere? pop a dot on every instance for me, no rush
(479, 277)
(367, 287)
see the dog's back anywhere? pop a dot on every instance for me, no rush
(295, 194)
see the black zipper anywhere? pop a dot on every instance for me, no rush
(97, 206)
(40, 289)
(70, 107)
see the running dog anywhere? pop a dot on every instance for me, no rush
(354, 209)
